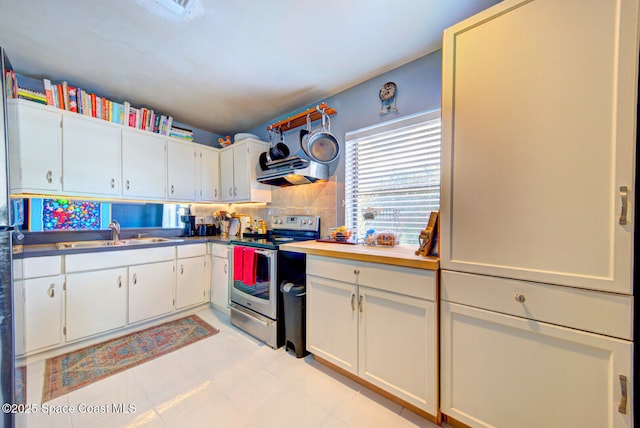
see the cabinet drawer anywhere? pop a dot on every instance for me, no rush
(219, 250)
(34, 267)
(193, 250)
(419, 283)
(598, 312)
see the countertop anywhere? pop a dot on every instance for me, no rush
(402, 255)
(40, 250)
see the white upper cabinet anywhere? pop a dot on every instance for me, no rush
(90, 156)
(539, 118)
(143, 164)
(181, 171)
(238, 171)
(207, 172)
(34, 148)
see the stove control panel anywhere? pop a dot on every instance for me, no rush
(295, 222)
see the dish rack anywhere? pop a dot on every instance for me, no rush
(381, 227)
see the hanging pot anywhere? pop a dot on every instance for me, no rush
(304, 134)
(280, 150)
(321, 145)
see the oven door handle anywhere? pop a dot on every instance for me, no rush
(267, 253)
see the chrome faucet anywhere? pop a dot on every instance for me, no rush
(115, 227)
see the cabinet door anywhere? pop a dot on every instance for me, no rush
(539, 143)
(90, 156)
(503, 371)
(96, 302)
(220, 283)
(397, 340)
(208, 161)
(241, 173)
(150, 290)
(332, 321)
(181, 171)
(190, 281)
(34, 148)
(226, 175)
(143, 165)
(43, 312)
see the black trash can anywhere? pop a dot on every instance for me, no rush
(294, 295)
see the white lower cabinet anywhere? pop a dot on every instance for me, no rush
(377, 322)
(332, 321)
(191, 275)
(96, 302)
(38, 303)
(502, 370)
(43, 312)
(397, 346)
(220, 277)
(151, 290)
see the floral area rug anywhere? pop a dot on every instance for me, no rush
(68, 372)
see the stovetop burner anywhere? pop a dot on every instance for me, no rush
(285, 229)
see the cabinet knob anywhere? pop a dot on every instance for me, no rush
(520, 298)
(356, 271)
(49, 176)
(52, 291)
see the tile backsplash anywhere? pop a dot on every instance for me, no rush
(309, 199)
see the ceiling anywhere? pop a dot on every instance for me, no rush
(225, 66)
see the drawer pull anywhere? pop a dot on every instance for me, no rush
(353, 305)
(624, 192)
(128, 185)
(135, 278)
(181, 269)
(112, 183)
(52, 291)
(119, 282)
(622, 406)
(49, 176)
(520, 298)
(360, 303)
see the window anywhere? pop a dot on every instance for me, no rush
(392, 173)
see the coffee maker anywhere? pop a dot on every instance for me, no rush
(189, 224)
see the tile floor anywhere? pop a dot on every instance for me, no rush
(227, 380)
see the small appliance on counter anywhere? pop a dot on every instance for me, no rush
(189, 225)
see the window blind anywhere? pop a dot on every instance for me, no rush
(392, 173)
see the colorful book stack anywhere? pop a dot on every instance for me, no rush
(28, 88)
(182, 133)
(74, 99)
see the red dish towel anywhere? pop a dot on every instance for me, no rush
(249, 267)
(238, 256)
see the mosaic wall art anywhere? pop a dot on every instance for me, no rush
(68, 214)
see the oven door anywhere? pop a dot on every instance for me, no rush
(261, 296)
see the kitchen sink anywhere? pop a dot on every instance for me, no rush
(112, 243)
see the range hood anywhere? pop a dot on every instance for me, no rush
(292, 171)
